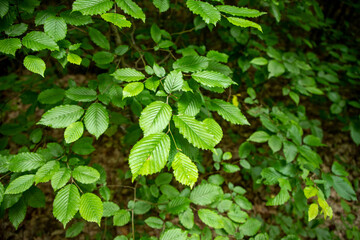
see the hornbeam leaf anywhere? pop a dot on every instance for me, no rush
(128, 75)
(149, 155)
(244, 23)
(10, 45)
(66, 204)
(26, 161)
(155, 117)
(45, 173)
(91, 208)
(35, 64)
(191, 63)
(86, 174)
(60, 178)
(240, 11)
(228, 111)
(75, 18)
(55, 27)
(20, 184)
(73, 132)
(131, 8)
(61, 116)
(205, 194)
(194, 131)
(173, 81)
(133, 89)
(211, 218)
(214, 128)
(98, 38)
(206, 11)
(37, 41)
(212, 79)
(185, 171)
(116, 19)
(96, 119)
(81, 94)
(162, 5)
(92, 7)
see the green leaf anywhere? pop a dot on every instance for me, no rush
(228, 111)
(355, 132)
(74, 58)
(74, 230)
(38, 41)
(116, 19)
(205, 194)
(275, 68)
(4, 8)
(259, 137)
(275, 143)
(81, 94)
(66, 204)
(149, 155)
(244, 23)
(214, 128)
(110, 209)
(61, 116)
(121, 218)
(310, 192)
(155, 33)
(85, 174)
(55, 27)
(217, 56)
(189, 104)
(27, 161)
(10, 45)
(131, 8)
(103, 57)
(92, 7)
(282, 197)
(162, 5)
(240, 11)
(128, 75)
(212, 79)
(338, 169)
(187, 218)
(75, 18)
(259, 61)
(173, 82)
(313, 211)
(2, 192)
(16, 29)
(73, 132)
(185, 171)
(98, 38)
(236, 214)
(191, 63)
(20, 184)
(154, 222)
(250, 227)
(17, 213)
(155, 117)
(46, 172)
(96, 119)
(91, 208)
(83, 146)
(206, 11)
(51, 96)
(343, 187)
(133, 89)
(290, 151)
(35, 64)
(295, 97)
(178, 205)
(313, 141)
(211, 218)
(60, 178)
(194, 131)
(172, 234)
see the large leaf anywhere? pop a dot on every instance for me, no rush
(37, 41)
(212, 79)
(92, 7)
(51, 96)
(60, 178)
(173, 81)
(185, 171)
(61, 116)
(20, 184)
(343, 187)
(194, 131)
(244, 23)
(189, 104)
(55, 27)
(116, 19)
(275, 68)
(45, 173)
(10, 45)
(211, 218)
(239, 11)
(128, 75)
(85, 174)
(178, 205)
(81, 94)
(149, 155)
(206, 11)
(131, 8)
(73, 132)
(191, 63)
(98, 38)
(155, 117)
(187, 218)
(205, 194)
(23, 162)
(91, 208)
(17, 213)
(66, 203)
(75, 18)
(228, 111)
(35, 64)
(214, 128)
(162, 5)
(96, 119)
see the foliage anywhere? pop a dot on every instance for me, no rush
(178, 95)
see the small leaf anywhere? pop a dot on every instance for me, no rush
(75, 230)
(98, 38)
(85, 174)
(162, 5)
(61, 116)
(191, 63)
(45, 173)
(259, 137)
(154, 222)
(92, 7)
(17, 213)
(81, 94)
(250, 227)
(60, 178)
(38, 41)
(66, 204)
(172, 234)
(23, 162)
(187, 218)
(205, 194)
(116, 19)
(185, 171)
(240, 11)
(155, 117)
(259, 61)
(20, 184)
(75, 18)
(131, 8)
(96, 119)
(55, 27)
(10, 45)
(73, 132)
(212, 79)
(275, 143)
(103, 57)
(121, 218)
(128, 75)
(35, 64)
(74, 58)
(83, 146)
(244, 23)
(211, 218)
(155, 33)
(173, 82)
(91, 208)
(133, 89)
(206, 11)
(51, 96)
(214, 128)
(228, 111)
(313, 211)
(275, 68)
